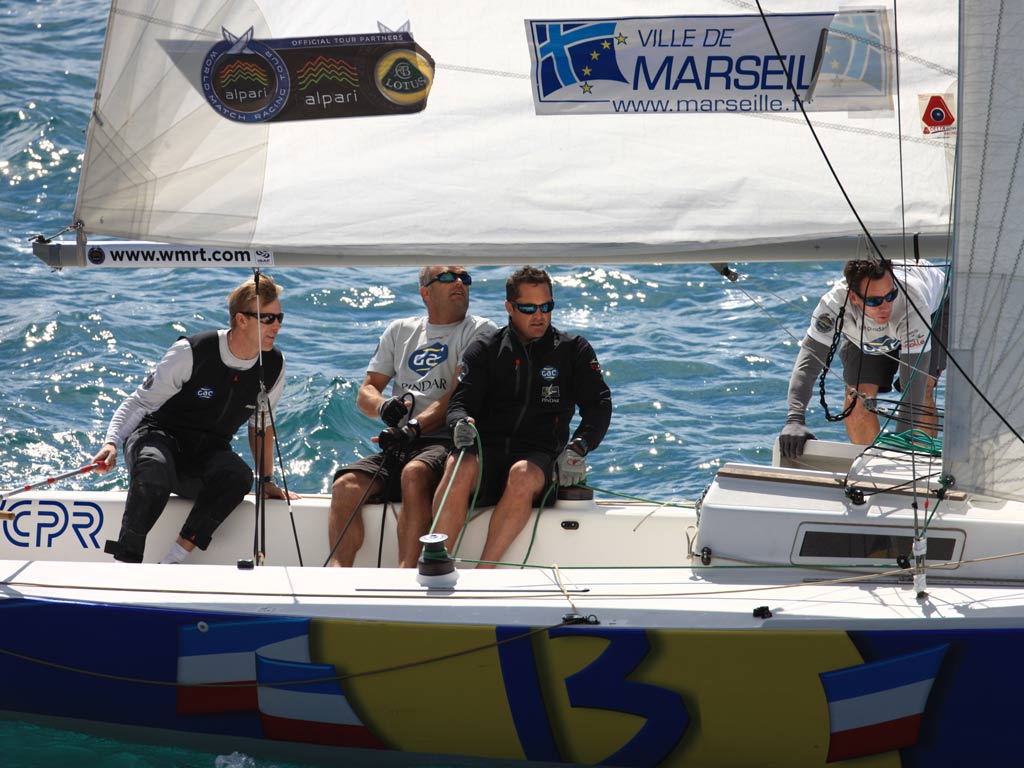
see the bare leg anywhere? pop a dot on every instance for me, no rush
(452, 517)
(862, 424)
(930, 420)
(345, 494)
(525, 481)
(418, 484)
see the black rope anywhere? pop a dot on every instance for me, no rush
(836, 338)
(355, 511)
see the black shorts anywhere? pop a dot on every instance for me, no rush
(859, 368)
(388, 467)
(496, 467)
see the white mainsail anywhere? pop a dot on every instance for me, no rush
(981, 452)
(478, 175)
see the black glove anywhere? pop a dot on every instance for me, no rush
(793, 437)
(392, 411)
(463, 434)
(399, 438)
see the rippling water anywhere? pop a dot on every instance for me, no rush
(698, 371)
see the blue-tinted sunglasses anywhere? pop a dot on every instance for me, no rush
(877, 301)
(529, 309)
(450, 277)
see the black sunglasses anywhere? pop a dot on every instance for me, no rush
(450, 277)
(267, 318)
(877, 301)
(529, 309)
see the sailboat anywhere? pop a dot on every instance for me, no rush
(865, 605)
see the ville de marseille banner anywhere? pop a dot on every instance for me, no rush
(680, 64)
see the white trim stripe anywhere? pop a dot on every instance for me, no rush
(880, 707)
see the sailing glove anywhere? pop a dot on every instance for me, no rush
(398, 438)
(392, 411)
(572, 466)
(794, 436)
(463, 433)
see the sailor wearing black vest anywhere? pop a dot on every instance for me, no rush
(178, 425)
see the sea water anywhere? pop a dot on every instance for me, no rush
(698, 366)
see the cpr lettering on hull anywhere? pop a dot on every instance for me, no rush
(45, 523)
(834, 61)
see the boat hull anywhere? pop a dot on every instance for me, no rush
(580, 666)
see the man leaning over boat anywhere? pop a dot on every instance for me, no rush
(421, 355)
(178, 425)
(519, 389)
(881, 334)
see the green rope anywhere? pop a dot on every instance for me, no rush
(589, 487)
(913, 440)
(476, 493)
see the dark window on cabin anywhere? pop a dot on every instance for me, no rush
(870, 546)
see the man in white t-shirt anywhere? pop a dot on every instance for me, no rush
(421, 355)
(882, 333)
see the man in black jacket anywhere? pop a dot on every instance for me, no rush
(178, 425)
(519, 388)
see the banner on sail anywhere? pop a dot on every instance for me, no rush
(701, 64)
(127, 255)
(246, 79)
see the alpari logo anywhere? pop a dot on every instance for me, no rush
(245, 80)
(205, 393)
(40, 523)
(423, 360)
(324, 69)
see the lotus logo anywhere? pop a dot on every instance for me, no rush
(204, 393)
(422, 360)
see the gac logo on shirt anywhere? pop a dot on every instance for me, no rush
(204, 393)
(422, 360)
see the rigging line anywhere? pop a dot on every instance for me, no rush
(782, 326)
(814, 134)
(908, 395)
(558, 580)
(960, 369)
(526, 634)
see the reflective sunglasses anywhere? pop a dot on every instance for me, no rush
(267, 318)
(450, 277)
(529, 309)
(877, 301)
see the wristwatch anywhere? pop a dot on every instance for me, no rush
(579, 445)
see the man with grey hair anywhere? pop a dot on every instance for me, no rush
(421, 355)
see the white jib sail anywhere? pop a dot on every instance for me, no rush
(987, 339)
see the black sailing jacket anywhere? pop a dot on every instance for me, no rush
(523, 397)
